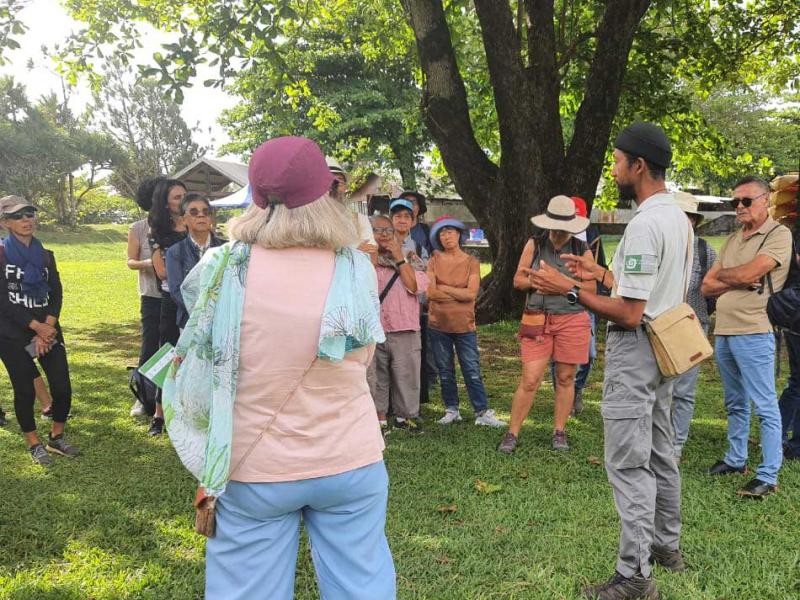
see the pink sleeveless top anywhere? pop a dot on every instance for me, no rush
(328, 425)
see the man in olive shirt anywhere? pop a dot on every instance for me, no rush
(745, 343)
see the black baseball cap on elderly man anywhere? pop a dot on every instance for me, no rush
(647, 141)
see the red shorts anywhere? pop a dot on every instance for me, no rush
(566, 340)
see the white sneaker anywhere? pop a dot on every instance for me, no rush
(487, 418)
(137, 410)
(450, 416)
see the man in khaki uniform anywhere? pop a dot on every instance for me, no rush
(751, 261)
(650, 268)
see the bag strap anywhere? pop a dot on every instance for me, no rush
(687, 270)
(388, 287)
(272, 419)
(768, 276)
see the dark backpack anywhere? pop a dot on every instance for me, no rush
(143, 390)
(702, 246)
(783, 307)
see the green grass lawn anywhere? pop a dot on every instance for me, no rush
(117, 523)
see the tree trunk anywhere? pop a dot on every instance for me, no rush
(534, 163)
(72, 204)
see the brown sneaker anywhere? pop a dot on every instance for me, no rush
(623, 588)
(671, 560)
(508, 444)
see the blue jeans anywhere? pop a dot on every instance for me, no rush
(254, 551)
(466, 347)
(790, 398)
(747, 369)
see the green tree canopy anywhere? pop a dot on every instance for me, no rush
(520, 97)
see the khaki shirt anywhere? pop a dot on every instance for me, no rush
(744, 312)
(651, 259)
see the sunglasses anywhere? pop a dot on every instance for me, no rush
(383, 230)
(21, 214)
(196, 212)
(746, 202)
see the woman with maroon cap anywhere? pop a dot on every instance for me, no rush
(270, 407)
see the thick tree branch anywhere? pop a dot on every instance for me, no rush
(595, 116)
(445, 108)
(507, 75)
(545, 86)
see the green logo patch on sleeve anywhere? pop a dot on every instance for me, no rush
(640, 263)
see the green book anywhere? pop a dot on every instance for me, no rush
(155, 369)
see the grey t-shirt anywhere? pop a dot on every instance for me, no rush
(650, 261)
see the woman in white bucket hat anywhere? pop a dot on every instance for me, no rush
(553, 328)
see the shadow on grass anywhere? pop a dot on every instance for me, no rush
(116, 339)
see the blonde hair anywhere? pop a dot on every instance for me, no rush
(324, 223)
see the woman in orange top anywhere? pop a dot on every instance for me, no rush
(455, 278)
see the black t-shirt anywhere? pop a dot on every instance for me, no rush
(17, 309)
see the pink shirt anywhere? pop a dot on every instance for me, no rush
(329, 424)
(400, 308)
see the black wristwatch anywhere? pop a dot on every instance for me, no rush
(400, 263)
(572, 294)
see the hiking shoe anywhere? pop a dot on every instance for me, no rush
(722, 468)
(156, 427)
(59, 445)
(488, 419)
(508, 444)
(560, 441)
(450, 416)
(623, 588)
(412, 425)
(671, 560)
(137, 410)
(755, 488)
(3, 421)
(577, 406)
(40, 455)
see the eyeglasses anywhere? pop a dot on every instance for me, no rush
(21, 214)
(383, 230)
(196, 212)
(746, 202)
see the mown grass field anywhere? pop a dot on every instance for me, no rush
(117, 524)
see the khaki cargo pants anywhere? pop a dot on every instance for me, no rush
(394, 375)
(639, 454)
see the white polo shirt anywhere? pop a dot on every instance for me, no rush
(651, 260)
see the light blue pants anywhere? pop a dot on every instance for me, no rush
(683, 393)
(747, 369)
(254, 552)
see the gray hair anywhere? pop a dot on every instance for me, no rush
(379, 217)
(324, 223)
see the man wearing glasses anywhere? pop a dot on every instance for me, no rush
(752, 261)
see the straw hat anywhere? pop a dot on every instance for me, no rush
(561, 216)
(688, 204)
